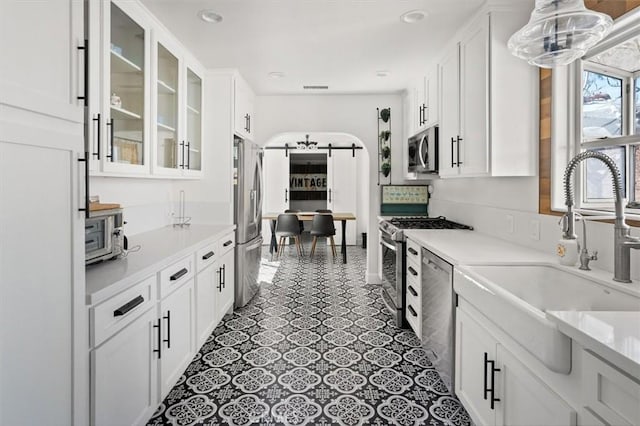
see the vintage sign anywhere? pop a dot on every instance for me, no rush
(308, 182)
(405, 194)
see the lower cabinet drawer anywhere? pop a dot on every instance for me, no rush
(206, 256)
(173, 276)
(226, 243)
(114, 314)
(609, 393)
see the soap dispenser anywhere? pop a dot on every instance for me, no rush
(568, 248)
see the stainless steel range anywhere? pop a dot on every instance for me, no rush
(393, 257)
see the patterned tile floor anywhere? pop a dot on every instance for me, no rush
(314, 347)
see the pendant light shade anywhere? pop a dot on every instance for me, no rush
(559, 32)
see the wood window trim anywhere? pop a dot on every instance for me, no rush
(613, 8)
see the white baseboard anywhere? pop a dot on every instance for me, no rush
(373, 279)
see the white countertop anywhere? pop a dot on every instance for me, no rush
(613, 335)
(158, 248)
(461, 247)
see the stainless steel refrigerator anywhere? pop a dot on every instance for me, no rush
(247, 217)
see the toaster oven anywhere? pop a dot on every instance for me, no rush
(103, 235)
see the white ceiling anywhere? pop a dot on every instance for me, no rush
(339, 43)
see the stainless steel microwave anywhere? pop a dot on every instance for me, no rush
(423, 151)
(103, 235)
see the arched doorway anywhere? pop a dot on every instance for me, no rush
(346, 187)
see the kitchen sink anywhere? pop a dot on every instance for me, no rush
(516, 297)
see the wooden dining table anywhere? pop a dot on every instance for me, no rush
(306, 217)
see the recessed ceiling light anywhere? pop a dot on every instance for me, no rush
(413, 16)
(209, 15)
(382, 73)
(276, 75)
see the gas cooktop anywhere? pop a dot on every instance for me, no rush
(394, 226)
(439, 222)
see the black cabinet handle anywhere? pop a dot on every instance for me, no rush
(227, 243)
(485, 388)
(188, 155)
(413, 312)
(493, 384)
(181, 165)
(452, 162)
(286, 195)
(223, 282)
(412, 291)
(330, 195)
(178, 274)
(85, 160)
(128, 306)
(458, 141)
(85, 95)
(424, 113)
(207, 256)
(112, 131)
(219, 272)
(168, 339)
(412, 251)
(97, 120)
(159, 335)
(412, 271)
(249, 124)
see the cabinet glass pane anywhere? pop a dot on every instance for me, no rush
(194, 120)
(127, 88)
(167, 118)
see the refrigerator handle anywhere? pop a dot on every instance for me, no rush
(258, 203)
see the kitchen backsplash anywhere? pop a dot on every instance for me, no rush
(494, 221)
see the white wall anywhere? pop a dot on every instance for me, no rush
(352, 114)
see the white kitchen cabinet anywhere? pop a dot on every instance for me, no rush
(610, 395)
(145, 96)
(192, 115)
(124, 374)
(177, 106)
(449, 111)
(487, 100)
(243, 109)
(206, 292)
(226, 280)
(342, 196)
(53, 88)
(178, 348)
(495, 387)
(126, 87)
(424, 101)
(43, 317)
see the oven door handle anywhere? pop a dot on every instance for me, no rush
(423, 142)
(387, 245)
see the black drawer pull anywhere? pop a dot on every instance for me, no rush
(207, 256)
(412, 291)
(412, 271)
(413, 312)
(412, 251)
(182, 272)
(158, 326)
(128, 306)
(228, 243)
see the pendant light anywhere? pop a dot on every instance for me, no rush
(559, 32)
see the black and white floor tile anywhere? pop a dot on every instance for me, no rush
(314, 347)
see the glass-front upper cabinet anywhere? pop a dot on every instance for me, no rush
(126, 90)
(193, 149)
(167, 110)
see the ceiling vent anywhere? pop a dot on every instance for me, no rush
(316, 87)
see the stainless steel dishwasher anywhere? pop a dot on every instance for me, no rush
(438, 310)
